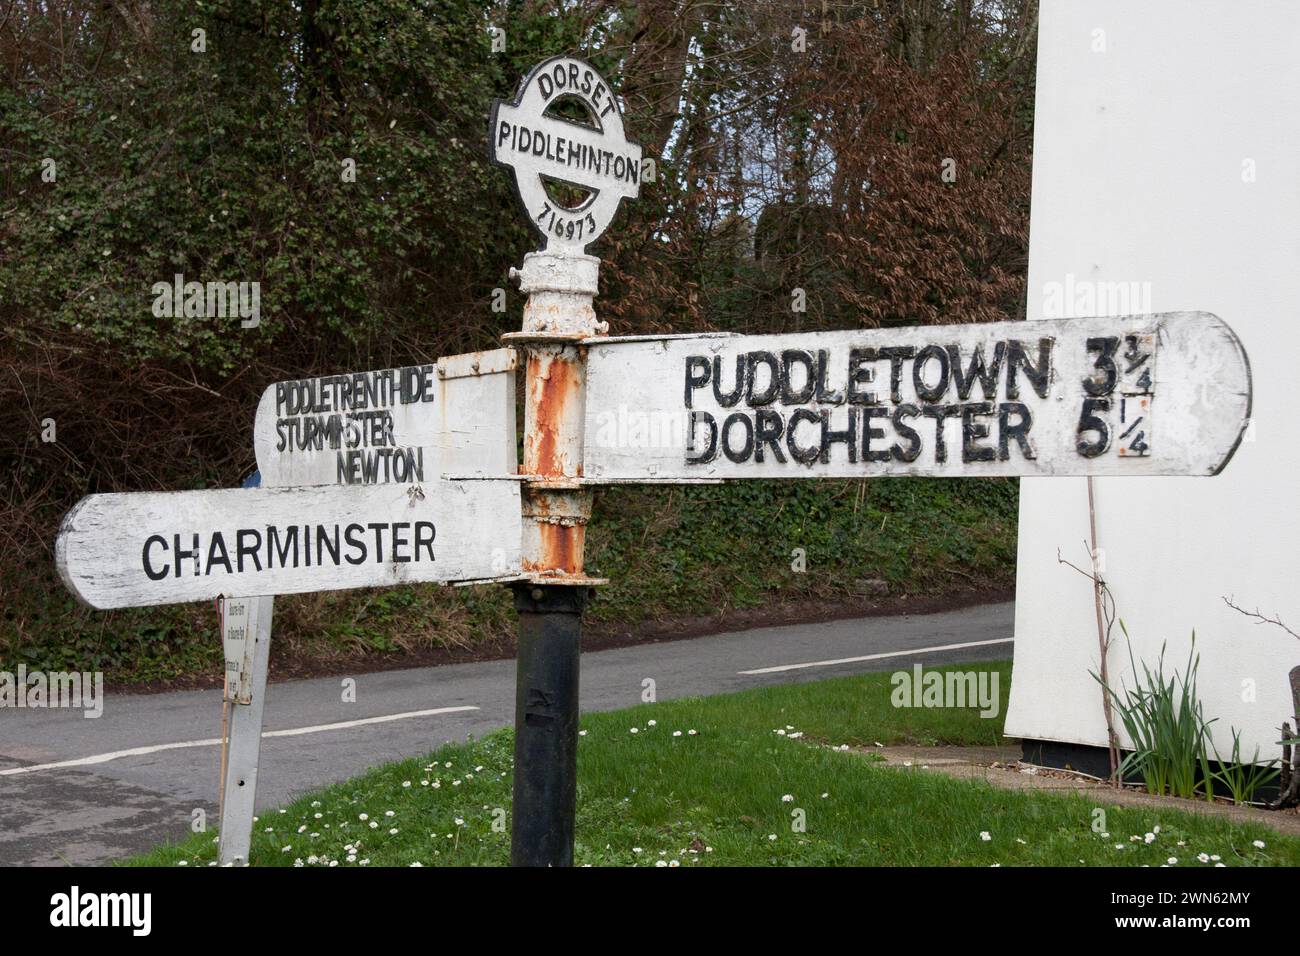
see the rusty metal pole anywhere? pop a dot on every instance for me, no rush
(557, 317)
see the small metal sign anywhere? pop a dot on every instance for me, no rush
(537, 145)
(238, 630)
(1165, 394)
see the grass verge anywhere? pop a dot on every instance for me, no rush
(724, 781)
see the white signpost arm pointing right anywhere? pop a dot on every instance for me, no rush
(1163, 394)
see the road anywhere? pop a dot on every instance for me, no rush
(109, 804)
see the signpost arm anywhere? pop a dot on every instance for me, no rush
(246, 746)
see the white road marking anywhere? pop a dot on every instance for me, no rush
(216, 741)
(876, 657)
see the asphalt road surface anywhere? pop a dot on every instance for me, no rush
(133, 777)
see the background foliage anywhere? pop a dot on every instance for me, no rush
(778, 169)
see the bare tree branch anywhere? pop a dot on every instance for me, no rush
(1260, 618)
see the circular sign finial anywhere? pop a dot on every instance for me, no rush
(594, 156)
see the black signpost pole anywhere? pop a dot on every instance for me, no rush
(546, 724)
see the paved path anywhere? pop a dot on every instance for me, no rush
(1001, 767)
(111, 804)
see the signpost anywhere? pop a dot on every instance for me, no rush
(561, 282)
(404, 475)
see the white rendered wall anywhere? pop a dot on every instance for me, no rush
(1139, 156)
